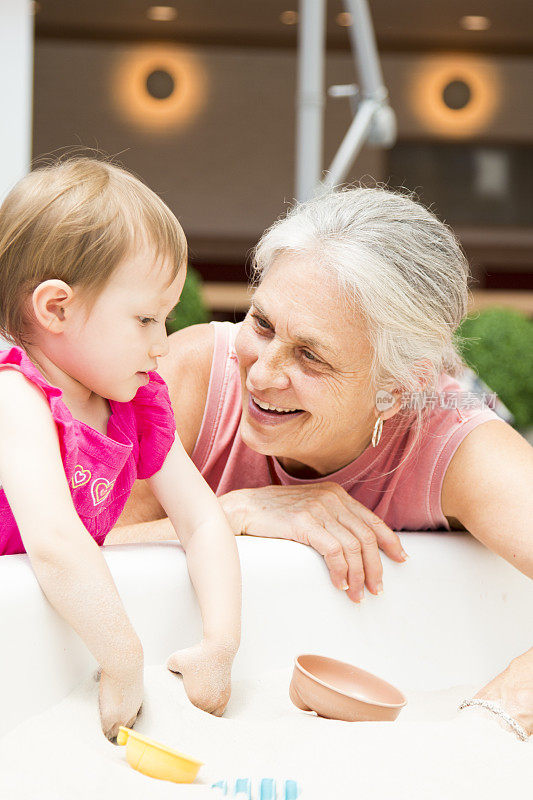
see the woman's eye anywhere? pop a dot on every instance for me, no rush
(145, 320)
(262, 323)
(310, 356)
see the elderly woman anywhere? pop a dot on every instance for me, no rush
(330, 415)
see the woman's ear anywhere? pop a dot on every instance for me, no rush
(387, 404)
(50, 301)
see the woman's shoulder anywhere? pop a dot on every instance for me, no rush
(192, 349)
(187, 371)
(189, 359)
(455, 402)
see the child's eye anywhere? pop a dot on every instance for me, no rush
(145, 320)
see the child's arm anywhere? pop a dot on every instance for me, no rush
(66, 560)
(214, 568)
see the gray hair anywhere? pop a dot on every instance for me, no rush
(397, 264)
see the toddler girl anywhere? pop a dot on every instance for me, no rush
(91, 263)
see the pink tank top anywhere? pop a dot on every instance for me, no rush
(100, 469)
(408, 498)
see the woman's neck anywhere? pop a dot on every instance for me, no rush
(323, 466)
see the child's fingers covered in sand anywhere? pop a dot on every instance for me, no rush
(120, 701)
(206, 671)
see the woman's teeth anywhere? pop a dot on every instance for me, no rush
(269, 407)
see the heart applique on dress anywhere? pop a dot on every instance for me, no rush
(81, 477)
(100, 488)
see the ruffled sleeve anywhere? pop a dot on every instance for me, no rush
(16, 359)
(156, 427)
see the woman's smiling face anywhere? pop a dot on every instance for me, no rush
(301, 349)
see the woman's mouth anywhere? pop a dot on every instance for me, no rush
(268, 413)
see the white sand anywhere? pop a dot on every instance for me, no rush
(431, 751)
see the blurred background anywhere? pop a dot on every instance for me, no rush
(198, 98)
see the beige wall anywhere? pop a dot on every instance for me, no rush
(228, 172)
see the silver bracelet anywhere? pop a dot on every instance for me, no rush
(498, 710)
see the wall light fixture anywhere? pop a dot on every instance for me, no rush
(159, 88)
(455, 96)
(161, 13)
(474, 22)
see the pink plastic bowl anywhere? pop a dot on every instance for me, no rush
(337, 690)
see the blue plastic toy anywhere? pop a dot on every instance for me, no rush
(267, 789)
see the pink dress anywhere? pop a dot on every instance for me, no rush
(407, 496)
(100, 469)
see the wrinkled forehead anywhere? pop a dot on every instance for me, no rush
(300, 277)
(303, 295)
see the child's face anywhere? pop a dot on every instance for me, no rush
(111, 351)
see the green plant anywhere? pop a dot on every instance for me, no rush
(191, 308)
(497, 343)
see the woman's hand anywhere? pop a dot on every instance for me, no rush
(325, 517)
(206, 671)
(512, 689)
(120, 699)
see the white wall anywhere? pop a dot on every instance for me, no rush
(16, 71)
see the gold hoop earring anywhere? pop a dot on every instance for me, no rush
(376, 433)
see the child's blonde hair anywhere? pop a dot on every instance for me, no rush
(75, 221)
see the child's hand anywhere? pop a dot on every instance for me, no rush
(120, 700)
(206, 671)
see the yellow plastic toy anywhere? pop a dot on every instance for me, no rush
(157, 760)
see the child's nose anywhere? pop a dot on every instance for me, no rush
(159, 349)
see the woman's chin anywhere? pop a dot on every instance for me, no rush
(262, 441)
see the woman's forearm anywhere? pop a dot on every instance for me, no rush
(512, 690)
(157, 530)
(78, 584)
(160, 530)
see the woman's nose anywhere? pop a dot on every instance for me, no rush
(268, 370)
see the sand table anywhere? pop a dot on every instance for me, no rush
(431, 751)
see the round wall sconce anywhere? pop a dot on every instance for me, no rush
(159, 89)
(289, 17)
(455, 96)
(160, 84)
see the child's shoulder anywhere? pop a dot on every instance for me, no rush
(15, 359)
(22, 387)
(15, 385)
(22, 402)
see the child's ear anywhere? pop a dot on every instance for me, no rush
(50, 301)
